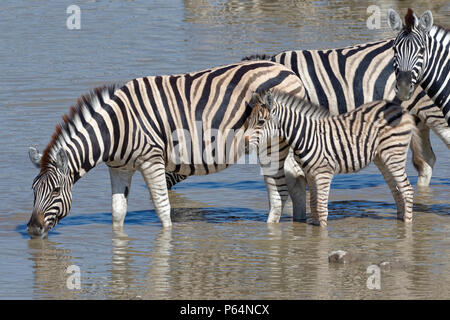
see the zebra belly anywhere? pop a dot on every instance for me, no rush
(195, 170)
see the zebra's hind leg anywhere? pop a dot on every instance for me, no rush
(395, 176)
(154, 173)
(423, 155)
(274, 177)
(319, 189)
(120, 188)
(296, 184)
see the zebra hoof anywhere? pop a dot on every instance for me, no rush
(316, 222)
(407, 219)
(273, 218)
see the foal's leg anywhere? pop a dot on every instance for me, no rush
(395, 175)
(272, 165)
(296, 184)
(319, 189)
(120, 188)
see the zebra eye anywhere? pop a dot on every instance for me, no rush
(260, 122)
(56, 191)
(422, 50)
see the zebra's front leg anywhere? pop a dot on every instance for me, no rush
(154, 173)
(423, 155)
(296, 185)
(120, 189)
(274, 178)
(319, 189)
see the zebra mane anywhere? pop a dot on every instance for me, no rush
(410, 19)
(301, 106)
(257, 57)
(85, 106)
(436, 29)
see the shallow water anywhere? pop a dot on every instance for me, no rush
(220, 245)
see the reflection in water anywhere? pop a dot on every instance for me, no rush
(220, 245)
(122, 280)
(158, 279)
(50, 269)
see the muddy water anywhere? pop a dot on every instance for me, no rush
(220, 245)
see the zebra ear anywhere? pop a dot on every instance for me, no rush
(35, 156)
(268, 100)
(394, 21)
(426, 21)
(62, 160)
(254, 99)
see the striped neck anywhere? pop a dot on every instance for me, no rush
(297, 118)
(436, 76)
(82, 134)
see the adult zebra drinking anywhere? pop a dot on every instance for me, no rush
(151, 124)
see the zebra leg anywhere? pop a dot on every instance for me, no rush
(296, 184)
(395, 176)
(423, 155)
(319, 189)
(154, 173)
(275, 179)
(120, 188)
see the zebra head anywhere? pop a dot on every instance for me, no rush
(52, 189)
(410, 50)
(262, 125)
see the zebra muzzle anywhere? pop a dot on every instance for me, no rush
(36, 227)
(404, 86)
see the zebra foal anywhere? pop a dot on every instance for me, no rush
(325, 145)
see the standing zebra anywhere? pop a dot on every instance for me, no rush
(325, 145)
(422, 58)
(188, 124)
(344, 78)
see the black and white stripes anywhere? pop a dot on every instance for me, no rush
(325, 145)
(188, 124)
(422, 57)
(342, 79)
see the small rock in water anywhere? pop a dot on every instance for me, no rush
(341, 256)
(390, 265)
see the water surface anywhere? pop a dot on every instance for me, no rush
(219, 246)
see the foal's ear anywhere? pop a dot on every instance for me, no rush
(268, 100)
(35, 156)
(255, 99)
(394, 21)
(62, 160)
(426, 21)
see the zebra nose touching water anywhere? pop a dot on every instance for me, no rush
(165, 127)
(325, 145)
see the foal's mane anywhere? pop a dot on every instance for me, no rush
(85, 103)
(301, 106)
